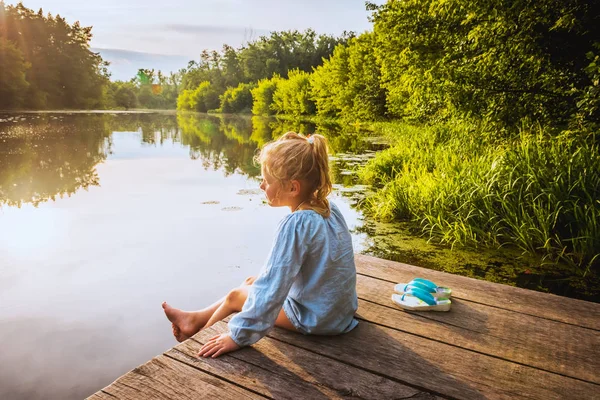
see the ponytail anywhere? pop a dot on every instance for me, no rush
(324, 186)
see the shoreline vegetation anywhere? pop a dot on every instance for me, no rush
(491, 110)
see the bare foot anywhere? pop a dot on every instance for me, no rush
(184, 323)
(177, 333)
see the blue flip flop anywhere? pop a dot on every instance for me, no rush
(419, 283)
(419, 300)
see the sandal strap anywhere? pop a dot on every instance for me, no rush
(418, 285)
(421, 295)
(425, 282)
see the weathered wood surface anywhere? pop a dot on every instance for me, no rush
(165, 378)
(279, 370)
(500, 333)
(498, 342)
(541, 305)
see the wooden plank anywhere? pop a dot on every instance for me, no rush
(165, 378)
(438, 367)
(543, 305)
(553, 346)
(101, 396)
(123, 391)
(282, 371)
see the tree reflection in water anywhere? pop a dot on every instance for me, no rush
(44, 156)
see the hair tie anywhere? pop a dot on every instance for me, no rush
(310, 139)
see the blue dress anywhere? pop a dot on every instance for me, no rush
(310, 273)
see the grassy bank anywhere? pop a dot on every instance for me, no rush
(538, 190)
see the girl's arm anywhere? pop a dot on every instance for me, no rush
(268, 293)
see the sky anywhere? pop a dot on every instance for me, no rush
(133, 34)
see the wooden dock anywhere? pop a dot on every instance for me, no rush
(497, 342)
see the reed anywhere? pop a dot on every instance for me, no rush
(538, 190)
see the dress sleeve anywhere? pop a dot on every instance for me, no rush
(269, 291)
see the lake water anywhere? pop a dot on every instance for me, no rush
(103, 216)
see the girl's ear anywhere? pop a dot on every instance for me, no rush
(295, 187)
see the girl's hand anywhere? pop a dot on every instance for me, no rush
(218, 345)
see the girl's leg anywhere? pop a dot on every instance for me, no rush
(234, 301)
(224, 343)
(186, 324)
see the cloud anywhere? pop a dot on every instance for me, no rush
(190, 29)
(125, 63)
(130, 53)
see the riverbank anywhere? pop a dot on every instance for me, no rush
(535, 190)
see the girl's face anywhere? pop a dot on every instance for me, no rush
(274, 191)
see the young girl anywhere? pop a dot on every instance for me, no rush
(308, 284)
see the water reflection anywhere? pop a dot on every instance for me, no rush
(43, 156)
(220, 143)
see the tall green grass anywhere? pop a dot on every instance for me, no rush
(537, 191)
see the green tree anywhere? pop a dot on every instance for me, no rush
(233, 73)
(503, 61)
(262, 96)
(348, 84)
(204, 98)
(184, 100)
(171, 88)
(328, 84)
(293, 95)
(63, 71)
(260, 59)
(146, 97)
(363, 90)
(286, 51)
(237, 99)
(588, 106)
(152, 89)
(125, 97)
(13, 68)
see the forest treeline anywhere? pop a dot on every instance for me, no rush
(47, 63)
(424, 61)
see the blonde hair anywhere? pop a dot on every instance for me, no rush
(297, 157)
